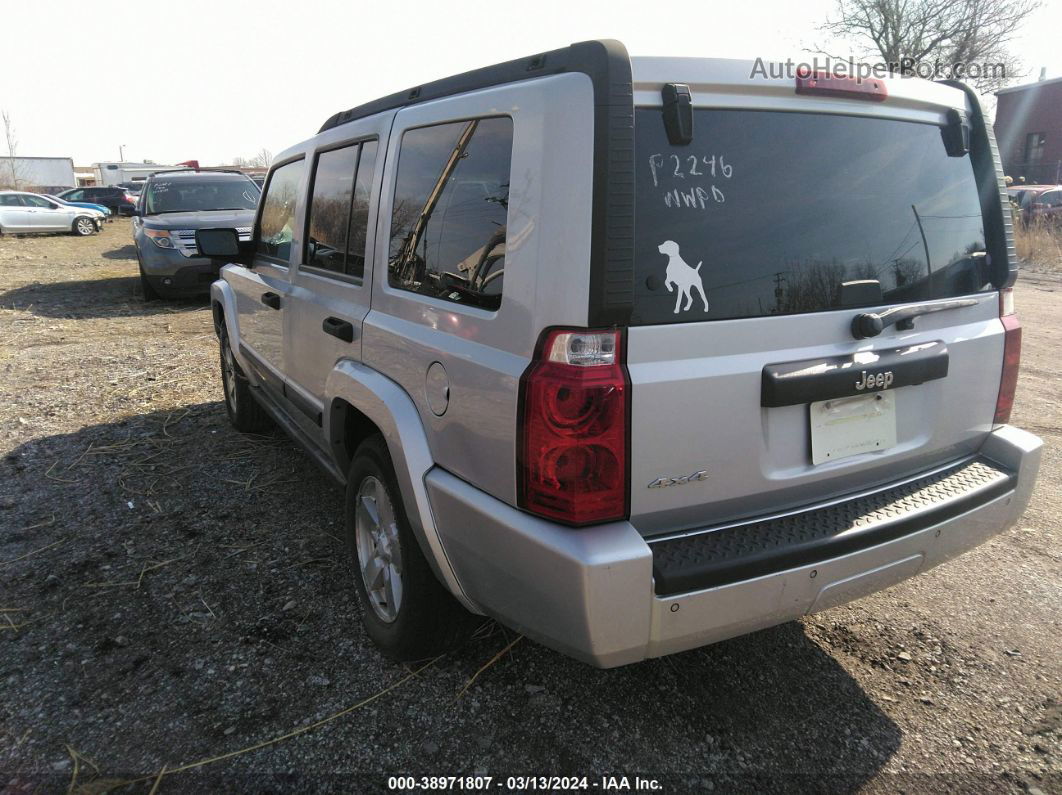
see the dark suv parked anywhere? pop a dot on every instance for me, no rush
(115, 198)
(173, 205)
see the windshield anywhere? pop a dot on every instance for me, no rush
(776, 213)
(175, 196)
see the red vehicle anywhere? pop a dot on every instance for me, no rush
(1038, 202)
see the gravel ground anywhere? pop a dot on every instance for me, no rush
(172, 593)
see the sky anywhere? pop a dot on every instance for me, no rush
(173, 81)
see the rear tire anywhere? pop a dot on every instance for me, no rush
(406, 611)
(83, 226)
(245, 412)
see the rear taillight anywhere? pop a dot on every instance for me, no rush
(1011, 356)
(572, 457)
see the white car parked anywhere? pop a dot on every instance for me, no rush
(29, 212)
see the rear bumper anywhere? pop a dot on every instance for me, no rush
(590, 592)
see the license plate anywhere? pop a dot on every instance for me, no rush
(852, 425)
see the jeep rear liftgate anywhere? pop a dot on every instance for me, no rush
(809, 320)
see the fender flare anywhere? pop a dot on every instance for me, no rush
(392, 410)
(222, 295)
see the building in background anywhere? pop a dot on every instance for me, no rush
(37, 174)
(1029, 131)
(85, 176)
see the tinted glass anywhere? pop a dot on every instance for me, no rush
(333, 185)
(36, 201)
(184, 195)
(359, 211)
(10, 200)
(277, 219)
(776, 213)
(449, 215)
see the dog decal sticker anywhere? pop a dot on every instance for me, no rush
(682, 276)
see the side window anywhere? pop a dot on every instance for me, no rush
(276, 223)
(37, 201)
(359, 211)
(10, 200)
(333, 185)
(76, 196)
(449, 215)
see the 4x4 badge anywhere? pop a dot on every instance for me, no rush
(663, 483)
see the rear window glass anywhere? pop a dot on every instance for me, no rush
(768, 213)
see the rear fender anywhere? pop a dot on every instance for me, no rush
(391, 409)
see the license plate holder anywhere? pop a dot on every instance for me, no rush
(849, 426)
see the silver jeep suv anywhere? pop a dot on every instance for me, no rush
(634, 355)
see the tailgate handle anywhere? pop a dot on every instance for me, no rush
(272, 300)
(870, 324)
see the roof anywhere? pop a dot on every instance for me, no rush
(598, 59)
(1027, 86)
(23, 157)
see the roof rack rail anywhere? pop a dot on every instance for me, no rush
(198, 170)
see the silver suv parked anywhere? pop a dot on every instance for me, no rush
(634, 355)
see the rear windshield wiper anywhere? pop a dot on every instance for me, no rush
(871, 324)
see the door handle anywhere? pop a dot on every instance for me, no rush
(341, 329)
(272, 300)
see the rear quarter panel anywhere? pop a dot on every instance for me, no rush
(546, 277)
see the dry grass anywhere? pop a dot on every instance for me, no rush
(1039, 244)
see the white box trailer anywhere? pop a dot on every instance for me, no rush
(44, 174)
(116, 173)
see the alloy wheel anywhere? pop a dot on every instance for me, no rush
(379, 550)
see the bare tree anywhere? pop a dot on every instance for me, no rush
(12, 175)
(938, 33)
(262, 159)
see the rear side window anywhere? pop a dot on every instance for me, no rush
(276, 222)
(769, 213)
(448, 221)
(333, 188)
(339, 209)
(10, 200)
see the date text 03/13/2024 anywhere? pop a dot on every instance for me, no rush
(523, 783)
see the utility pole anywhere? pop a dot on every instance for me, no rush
(121, 153)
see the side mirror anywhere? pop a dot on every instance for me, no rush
(217, 242)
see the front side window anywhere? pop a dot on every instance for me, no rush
(276, 224)
(771, 213)
(37, 201)
(448, 221)
(184, 195)
(76, 196)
